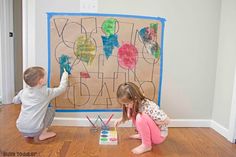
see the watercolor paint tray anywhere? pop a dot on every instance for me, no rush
(108, 137)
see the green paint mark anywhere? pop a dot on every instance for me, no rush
(155, 50)
(154, 27)
(109, 26)
(85, 49)
(157, 53)
(103, 139)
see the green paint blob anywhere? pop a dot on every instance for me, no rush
(109, 26)
(154, 27)
(157, 53)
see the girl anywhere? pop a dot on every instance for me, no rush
(149, 120)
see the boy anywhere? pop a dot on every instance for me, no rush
(35, 115)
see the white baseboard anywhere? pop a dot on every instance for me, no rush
(190, 123)
(220, 129)
(59, 121)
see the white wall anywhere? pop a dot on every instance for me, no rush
(190, 47)
(226, 64)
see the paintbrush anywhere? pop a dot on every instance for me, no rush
(101, 120)
(109, 119)
(90, 121)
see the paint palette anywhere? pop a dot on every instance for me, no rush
(108, 137)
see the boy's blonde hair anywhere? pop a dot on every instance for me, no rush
(130, 92)
(32, 75)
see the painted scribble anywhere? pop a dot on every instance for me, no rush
(85, 49)
(148, 36)
(64, 62)
(108, 44)
(110, 40)
(84, 74)
(109, 26)
(127, 56)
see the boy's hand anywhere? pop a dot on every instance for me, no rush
(65, 73)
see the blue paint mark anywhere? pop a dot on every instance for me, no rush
(64, 64)
(109, 43)
(104, 132)
(144, 34)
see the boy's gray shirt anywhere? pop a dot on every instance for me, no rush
(35, 101)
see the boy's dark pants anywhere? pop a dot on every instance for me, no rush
(47, 121)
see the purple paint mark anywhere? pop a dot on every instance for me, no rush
(113, 139)
(103, 135)
(109, 43)
(127, 56)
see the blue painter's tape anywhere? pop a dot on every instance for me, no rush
(161, 65)
(49, 48)
(106, 15)
(97, 110)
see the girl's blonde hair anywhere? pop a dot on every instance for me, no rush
(130, 92)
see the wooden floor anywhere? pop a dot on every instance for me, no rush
(80, 142)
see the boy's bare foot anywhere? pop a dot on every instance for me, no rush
(141, 149)
(46, 135)
(135, 136)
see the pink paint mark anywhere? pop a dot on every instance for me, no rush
(113, 139)
(151, 33)
(84, 75)
(127, 56)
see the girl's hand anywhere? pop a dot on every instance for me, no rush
(117, 122)
(128, 112)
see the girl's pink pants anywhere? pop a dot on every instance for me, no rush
(150, 133)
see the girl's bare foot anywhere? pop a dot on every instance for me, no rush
(46, 135)
(29, 139)
(135, 136)
(141, 149)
